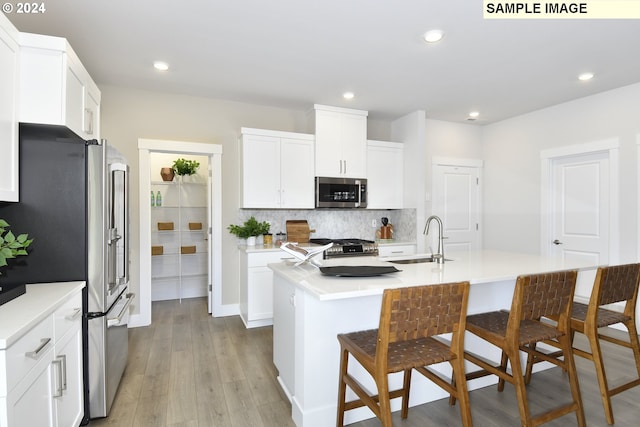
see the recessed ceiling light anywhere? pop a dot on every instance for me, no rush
(585, 76)
(474, 114)
(161, 66)
(348, 95)
(433, 36)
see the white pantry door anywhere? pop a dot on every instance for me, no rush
(580, 207)
(456, 201)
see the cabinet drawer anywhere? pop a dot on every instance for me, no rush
(68, 315)
(396, 250)
(262, 259)
(25, 353)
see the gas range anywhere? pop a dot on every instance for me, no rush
(347, 247)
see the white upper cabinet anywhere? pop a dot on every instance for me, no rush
(341, 142)
(9, 74)
(55, 88)
(385, 162)
(277, 169)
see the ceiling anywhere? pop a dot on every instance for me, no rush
(296, 53)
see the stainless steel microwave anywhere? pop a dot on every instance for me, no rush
(341, 192)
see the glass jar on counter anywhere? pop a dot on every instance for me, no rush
(280, 238)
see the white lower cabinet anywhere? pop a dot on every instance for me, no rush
(42, 370)
(256, 287)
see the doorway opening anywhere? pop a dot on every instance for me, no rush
(179, 228)
(192, 207)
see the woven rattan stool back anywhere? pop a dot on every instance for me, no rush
(421, 311)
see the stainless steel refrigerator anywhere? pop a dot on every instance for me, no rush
(74, 204)
(108, 273)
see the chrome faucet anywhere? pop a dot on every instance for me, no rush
(439, 256)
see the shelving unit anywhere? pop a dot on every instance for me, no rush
(177, 271)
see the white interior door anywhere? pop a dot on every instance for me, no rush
(580, 207)
(456, 201)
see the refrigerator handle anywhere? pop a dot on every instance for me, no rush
(116, 320)
(118, 238)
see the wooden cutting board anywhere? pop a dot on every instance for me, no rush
(298, 231)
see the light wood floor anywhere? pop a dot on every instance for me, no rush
(189, 369)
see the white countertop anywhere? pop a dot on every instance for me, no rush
(21, 314)
(476, 267)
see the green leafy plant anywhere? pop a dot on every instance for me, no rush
(10, 245)
(251, 227)
(185, 167)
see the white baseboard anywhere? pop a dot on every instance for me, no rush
(227, 310)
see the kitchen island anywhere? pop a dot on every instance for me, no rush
(310, 309)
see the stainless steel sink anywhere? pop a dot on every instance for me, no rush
(415, 260)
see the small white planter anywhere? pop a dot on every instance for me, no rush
(251, 241)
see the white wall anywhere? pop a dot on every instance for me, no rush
(512, 165)
(410, 130)
(459, 140)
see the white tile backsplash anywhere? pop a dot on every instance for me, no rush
(338, 223)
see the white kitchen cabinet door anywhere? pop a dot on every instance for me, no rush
(354, 145)
(385, 163)
(260, 171)
(296, 174)
(9, 84)
(341, 142)
(256, 287)
(277, 170)
(55, 88)
(30, 402)
(328, 149)
(260, 294)
(68, 395)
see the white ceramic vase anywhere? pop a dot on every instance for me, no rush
(251, 241)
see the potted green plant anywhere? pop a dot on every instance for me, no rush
(249, 230)
(185, 167)
(11, 245)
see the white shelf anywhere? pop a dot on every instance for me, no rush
(176, 275)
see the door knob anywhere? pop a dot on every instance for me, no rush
(557, 242)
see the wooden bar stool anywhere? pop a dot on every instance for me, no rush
(409, 320)
(535, 296)
(612, 284)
